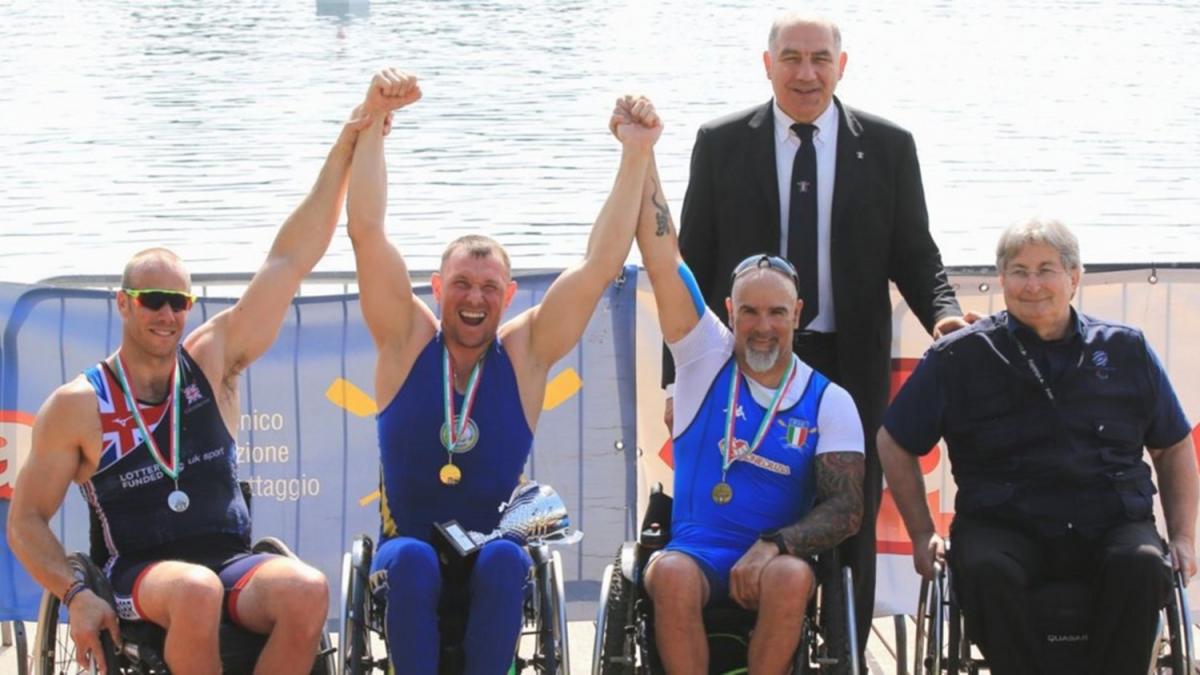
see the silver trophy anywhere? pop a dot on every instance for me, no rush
(533, 514)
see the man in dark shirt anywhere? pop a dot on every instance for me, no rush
(1045, 413)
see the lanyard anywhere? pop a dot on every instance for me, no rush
(1033, 367)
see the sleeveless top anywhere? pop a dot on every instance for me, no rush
(128, 493)
(412, 452)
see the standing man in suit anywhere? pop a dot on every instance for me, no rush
(837, 192)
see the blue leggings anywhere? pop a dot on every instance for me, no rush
(414, 586)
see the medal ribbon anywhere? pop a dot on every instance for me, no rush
(173, 469)
(456, 431)
(731, 455)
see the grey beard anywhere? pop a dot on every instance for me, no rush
(761, 362)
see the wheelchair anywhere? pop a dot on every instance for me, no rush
(625, 640)
(537, 516)
(141, 651)
(544, 612)
(943, 646)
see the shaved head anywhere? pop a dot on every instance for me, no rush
(153, 260)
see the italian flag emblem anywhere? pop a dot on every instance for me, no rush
(797, 433)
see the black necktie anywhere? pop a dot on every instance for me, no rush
(802, 221)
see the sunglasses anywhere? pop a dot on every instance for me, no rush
(764, 261)
(154, 298)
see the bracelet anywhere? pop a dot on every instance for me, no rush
(73, 590)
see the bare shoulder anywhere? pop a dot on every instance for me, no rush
(68, 418)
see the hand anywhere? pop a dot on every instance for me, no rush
(952, 323)
(635, 122)
(87, 616)
(390, 90)
(669, 415)
(746, 576)
(360, 119)
(1183, 557)
(928, 548)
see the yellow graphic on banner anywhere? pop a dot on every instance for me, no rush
(559, 390)
(345, 394)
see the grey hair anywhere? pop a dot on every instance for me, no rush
(792, 18)
(1038, 231)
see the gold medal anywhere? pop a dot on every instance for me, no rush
(722, 493)
(450, 474)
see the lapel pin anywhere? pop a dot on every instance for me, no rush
(860, 154)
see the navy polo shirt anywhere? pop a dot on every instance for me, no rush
(915, 418)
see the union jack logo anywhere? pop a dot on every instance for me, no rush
(119, 431)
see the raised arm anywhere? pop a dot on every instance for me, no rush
(388, 304)
(1180, 488)
(55, 459)
(230, 341)
(553, 327)
(676, 293)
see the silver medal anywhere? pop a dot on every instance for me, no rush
(178, 501)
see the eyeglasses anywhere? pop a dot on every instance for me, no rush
(764, 261)
(154, 298)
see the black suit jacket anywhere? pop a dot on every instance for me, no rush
(880, 231)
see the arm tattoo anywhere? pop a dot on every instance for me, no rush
(662, 215)
(839, 509)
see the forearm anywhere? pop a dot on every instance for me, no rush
(1179, 488)
(34, 544)
(307, 232)
(839, 510)
(829, 523)
(366, 205)
(656, 237)
(612, 234)
(907, 483)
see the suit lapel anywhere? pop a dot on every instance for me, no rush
(849, 148)
(762, 158)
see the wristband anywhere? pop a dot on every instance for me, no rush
(73, 590)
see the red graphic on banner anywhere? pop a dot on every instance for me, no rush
(14, 427)
(890, 535)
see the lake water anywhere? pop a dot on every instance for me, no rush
(200, 125)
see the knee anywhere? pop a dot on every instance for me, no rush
(196, 597)
(306, 596)
(412, 572)
(991, 570)
(502, 561)
(1142, 566)
(787, 583)
(673, 579)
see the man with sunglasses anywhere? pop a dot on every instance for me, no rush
(768, 454)
(460, 395)
(149, 435)
(837, 191)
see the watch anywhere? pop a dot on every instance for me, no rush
(775, 537)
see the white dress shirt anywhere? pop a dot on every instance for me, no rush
(825, 142)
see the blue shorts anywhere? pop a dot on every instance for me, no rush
(715, 563)
(228, 557)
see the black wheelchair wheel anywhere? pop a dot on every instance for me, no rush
(356, 637)
(326, 661)
(54, 651)
(614, 625)
(551, 658)
(1179, 660)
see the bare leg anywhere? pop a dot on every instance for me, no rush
(287, 600)
(787, 583)
(679, 591)
(186, 600)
